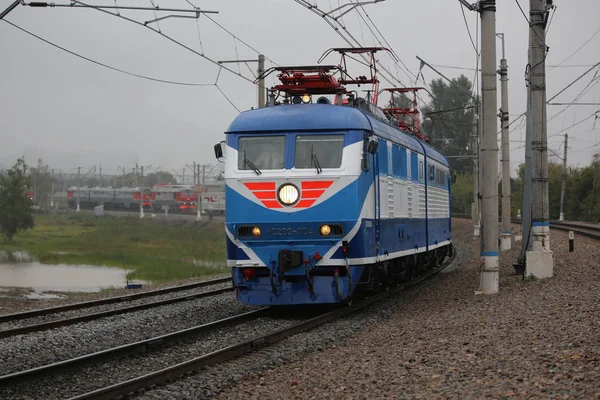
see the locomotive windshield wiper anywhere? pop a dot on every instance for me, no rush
(314, 158)
(251, 165)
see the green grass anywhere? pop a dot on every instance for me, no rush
(155, 250)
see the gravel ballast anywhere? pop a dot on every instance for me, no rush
(535, 339)
(26, 351)
(15, 304)
(107, 373)
(110, 307)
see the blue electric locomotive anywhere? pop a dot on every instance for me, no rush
(322, 199)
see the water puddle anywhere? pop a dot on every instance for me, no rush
(21, 270)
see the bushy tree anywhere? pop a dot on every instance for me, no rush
(15, 205)
(448, 121)
(462, 194)
(41, 183)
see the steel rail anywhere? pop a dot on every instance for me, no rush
(169, 374)
(583, 230)
(103, 314)
(557, 224)
(111, 300)
(141, 346)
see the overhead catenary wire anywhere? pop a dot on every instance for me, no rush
(573, 82)
(353, 42)
(576, 51)
(584, 91)
(462, 9)
(170, 82)
(200, 54)
(529, 23)
(390, 76)
(382, 37)
(164, 36)
(574, 125)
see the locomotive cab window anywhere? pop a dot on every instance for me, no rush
(421, 170)
(262, 152)
(319, 151)
(431, 173)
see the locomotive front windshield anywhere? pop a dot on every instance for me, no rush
(262, 152)
(319, 151)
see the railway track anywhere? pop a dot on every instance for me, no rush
(588, 230)
(138, 347)
(211, 357)
(46, 312)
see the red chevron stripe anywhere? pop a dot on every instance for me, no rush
(316, 184)
(312, 194)
(305, 203)
(272, 204)
(265, 195)
(260, 185)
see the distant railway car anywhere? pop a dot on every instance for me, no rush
(111, 198)
(322, 199)
(179, 198)
(213, 203)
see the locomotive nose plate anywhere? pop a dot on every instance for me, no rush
(289, 260)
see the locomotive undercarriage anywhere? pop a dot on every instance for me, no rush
(403, 269)
(278, 286)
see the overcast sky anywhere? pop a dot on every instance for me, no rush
(71, 112)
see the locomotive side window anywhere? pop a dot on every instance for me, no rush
(324, 151)
(439, 177)
(431, 173)
(262, 152)
(421, 170)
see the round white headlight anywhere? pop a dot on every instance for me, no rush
(288, 194)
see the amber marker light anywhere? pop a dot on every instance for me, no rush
(325, 230)
(306, 98)
(256, 231)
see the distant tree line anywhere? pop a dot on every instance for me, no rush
(582, 192)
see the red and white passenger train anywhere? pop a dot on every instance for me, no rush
(161, 197)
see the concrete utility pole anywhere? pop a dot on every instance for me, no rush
(539, 261)
(142, 194)
(261, 82)
(194, 172)
(198, 194)
(489, 150)
(100, 176)
(52, 190)
(78, 186)
(260, 71)
(475, 206)
(564, 181)
(504, 122)
(527, 187)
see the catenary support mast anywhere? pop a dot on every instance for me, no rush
(564, 181)
(489, 150)
(142, 193)
(475, 215)
(504, 122)
(539, 261)
(78, 186)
